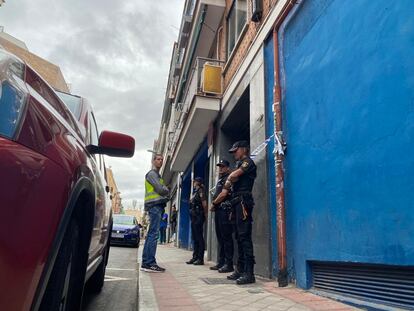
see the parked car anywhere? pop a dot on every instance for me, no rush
(55, 213)
(125, 230)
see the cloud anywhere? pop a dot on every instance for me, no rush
(116, 54)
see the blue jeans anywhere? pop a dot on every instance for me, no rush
(150, 246)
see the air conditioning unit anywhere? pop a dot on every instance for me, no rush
(211, 79)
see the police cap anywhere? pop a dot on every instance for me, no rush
(223, 163)
(198, 179)
(239, 144)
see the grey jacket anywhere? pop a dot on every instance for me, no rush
(153, 177)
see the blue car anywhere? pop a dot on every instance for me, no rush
(125, 230)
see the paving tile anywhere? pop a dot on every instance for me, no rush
(301, 297)
(299, 308)
(324, 305)
(173, 302)
(211, 305)
(180, 308)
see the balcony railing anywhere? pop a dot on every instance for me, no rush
(205, 80)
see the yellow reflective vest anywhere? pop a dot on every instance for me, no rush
(151, 196)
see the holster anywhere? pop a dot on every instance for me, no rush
(226, 205)
(236, 200)
(246, 200)
(195, 210)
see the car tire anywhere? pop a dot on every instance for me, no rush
(65, 287)
(97, 280)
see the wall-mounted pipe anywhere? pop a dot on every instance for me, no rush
(282, 277)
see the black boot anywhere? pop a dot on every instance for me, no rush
(248, 276)
(198, 262)
(234, 276)
(191, 261)
(226, 269)
(216, 267)
(246, 279)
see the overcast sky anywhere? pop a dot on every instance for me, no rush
(114, 53)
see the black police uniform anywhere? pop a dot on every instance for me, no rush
(243, 203)
(197, 225)
(224, 229)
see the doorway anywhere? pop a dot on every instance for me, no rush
(237, 124)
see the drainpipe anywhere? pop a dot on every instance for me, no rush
(282, 277)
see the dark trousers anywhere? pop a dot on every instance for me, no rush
(197, 234)
(224, 231)
(173, 227)
(243, 229)
(163, 235)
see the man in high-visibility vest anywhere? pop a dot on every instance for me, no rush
(156, 197)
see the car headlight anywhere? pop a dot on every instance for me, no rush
(12, 95)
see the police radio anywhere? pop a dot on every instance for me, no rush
(257, 9)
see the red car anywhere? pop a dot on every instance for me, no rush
(55, 218)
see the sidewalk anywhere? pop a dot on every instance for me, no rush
(191, 288)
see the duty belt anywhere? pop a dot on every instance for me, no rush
(241, 193)
(240, 196)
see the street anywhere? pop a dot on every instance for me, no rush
(120, 289)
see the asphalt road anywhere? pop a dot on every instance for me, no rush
(120, 291)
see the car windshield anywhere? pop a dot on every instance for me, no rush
(72, 102)
(123, 220)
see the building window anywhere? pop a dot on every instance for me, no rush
(190, 8)
(236, 20)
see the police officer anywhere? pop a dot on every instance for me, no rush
(198, 214)
(223, 222)
(240, 184)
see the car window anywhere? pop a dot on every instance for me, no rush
(93, 131)
(72, 102)
(95, 139)
(123, 220)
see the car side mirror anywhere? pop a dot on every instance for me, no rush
(114, 145)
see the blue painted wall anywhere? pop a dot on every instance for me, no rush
(269, 67)
(348, 96)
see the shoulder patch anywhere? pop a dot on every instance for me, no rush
(245, 164)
